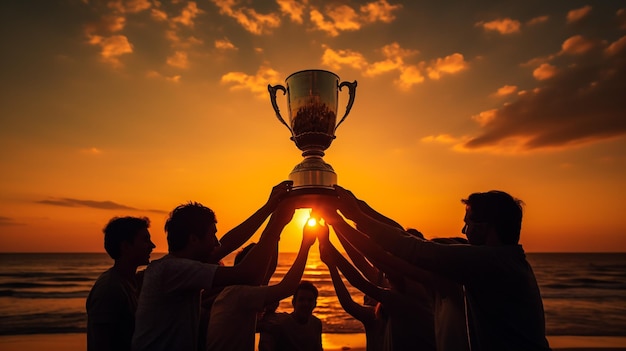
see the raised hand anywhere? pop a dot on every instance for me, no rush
(348, 204)
(311, 232)
(282, 215)
(279, 192)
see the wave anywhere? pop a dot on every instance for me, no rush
(44, 295)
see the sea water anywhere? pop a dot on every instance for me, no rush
(583, 293)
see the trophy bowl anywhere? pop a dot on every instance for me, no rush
(312, 98)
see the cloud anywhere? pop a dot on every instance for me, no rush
(337, 58)
(578, 14)
(293, 9)
(544, 71)
(506, 90)
(341, 17)
(157, 75)
(179, 60)
(394, 57)
(249, 18)
(91, 151)
(537, 20)
(101, 205)
(502, 26)
(379, 10)
(450, 64)
(111, 48)
(578, 45)
(441, 138)
(581, 102)
(103, 31)
(225, 44)
(257, 83)
(129, 6)
(187, 15)
(8, 221)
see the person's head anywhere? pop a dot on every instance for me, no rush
(492, 212)
(128, 238)
(191, 227)
(304, 300)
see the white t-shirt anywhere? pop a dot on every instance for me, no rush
(233, 318)
(168, 311)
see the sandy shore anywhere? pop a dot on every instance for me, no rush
(331, 342)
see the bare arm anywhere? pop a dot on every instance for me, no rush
(241, 233)
(332, 257)
(292, 278)
(252, 269)
(381, 258)
(370, 272)
(382, 233)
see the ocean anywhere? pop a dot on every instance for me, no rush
(583, 293)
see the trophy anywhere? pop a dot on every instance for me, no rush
(312, 97)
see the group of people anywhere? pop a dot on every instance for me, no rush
(188, 300)
(461, 294)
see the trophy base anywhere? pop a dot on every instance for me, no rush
(313, 174)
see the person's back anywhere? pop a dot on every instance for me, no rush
(300, 330)
(112, 301)
(232, 324)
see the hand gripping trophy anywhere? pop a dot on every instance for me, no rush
(312, 97)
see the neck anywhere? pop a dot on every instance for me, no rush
(125, 269)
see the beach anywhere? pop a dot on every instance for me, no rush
(331, 342)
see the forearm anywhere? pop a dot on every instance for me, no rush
(292, 278)
(383, 234)
(362, 264)
(381, 258)
(354, 276)
(237, 236)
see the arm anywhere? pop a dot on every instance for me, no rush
(359, 312)
(370, 272)
(241, 233)
(333, 258)
(290, 281)
(252, 269)
(380, 232)
(382, 259)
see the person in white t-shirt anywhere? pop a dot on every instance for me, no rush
(168, 311)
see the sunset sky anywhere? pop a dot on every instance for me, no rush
(115, 108)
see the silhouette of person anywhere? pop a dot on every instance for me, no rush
(405, 309)
(364, 313)
(168, 312)
(112, 301)
(232, 324)
(300, 330)
(505, 310)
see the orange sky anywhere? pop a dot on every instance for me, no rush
(133, 107)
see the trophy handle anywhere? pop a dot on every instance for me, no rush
(352, 92)
(272, 90)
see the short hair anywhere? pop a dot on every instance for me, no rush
(243, 252)
(501, 210)
(305, 285)
(120, 229)
(185, 220)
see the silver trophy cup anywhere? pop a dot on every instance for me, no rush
(312, 97)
